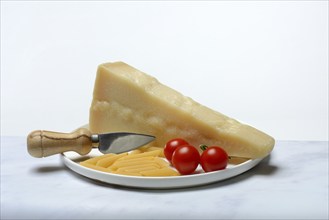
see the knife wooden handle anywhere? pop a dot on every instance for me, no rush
(46, 143)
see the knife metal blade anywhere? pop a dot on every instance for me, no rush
(120, 142)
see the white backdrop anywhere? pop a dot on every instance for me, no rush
(263, 63)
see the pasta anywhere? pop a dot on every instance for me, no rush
(141, 162)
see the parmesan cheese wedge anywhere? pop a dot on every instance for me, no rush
(126, 99)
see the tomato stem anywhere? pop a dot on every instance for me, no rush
(203, 147)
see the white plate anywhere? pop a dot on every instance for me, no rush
(72, 159)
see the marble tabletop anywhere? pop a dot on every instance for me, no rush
(292, 183)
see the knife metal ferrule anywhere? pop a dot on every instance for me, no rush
(95, 138)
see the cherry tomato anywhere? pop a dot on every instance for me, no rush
(171, 146)
(213, 158)
(186, 159)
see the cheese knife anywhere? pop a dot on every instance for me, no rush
(46, 143)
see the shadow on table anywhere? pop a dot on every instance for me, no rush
(49, 169)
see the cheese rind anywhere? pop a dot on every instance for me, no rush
(126, 99)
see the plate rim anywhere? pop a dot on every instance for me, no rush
(171, 182)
